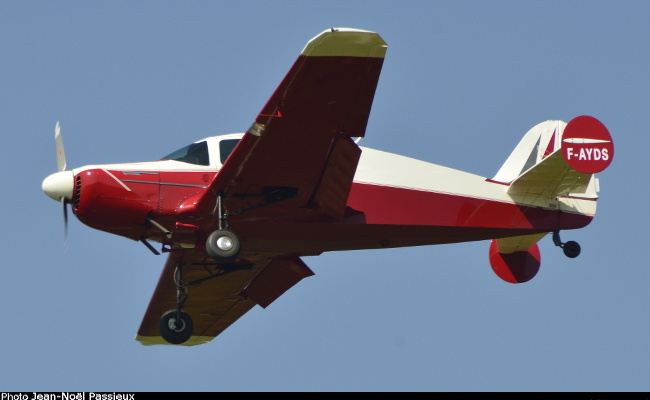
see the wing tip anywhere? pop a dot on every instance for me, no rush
(349, 42)
(158, 340)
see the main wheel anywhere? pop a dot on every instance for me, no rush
(223, 245)
(173, 331)
(571, 249)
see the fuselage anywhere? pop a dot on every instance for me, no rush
(395, 201)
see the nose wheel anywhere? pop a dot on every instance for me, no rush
(571, 249)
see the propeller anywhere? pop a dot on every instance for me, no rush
(60, 166)
(64, 202)
(59, 186)
(60, 152)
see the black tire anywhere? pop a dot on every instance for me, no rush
(571, 249)
(223, 245)
(175, 332)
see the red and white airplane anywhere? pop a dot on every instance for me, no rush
(237, 212)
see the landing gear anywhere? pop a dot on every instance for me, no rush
(175, 326)
(223, 245)
(571, 249)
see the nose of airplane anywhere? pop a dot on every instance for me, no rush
(58, 185)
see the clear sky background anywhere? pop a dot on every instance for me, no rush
(462, 82)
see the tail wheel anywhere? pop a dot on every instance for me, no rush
(571, 249)
(175, 330)
(223, 245)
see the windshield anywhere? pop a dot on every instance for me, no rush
(195, 153)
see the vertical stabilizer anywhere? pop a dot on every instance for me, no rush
(538, 143)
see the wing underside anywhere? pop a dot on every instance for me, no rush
(216, 295)
(213, 304)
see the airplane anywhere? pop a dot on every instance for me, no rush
(237, 213)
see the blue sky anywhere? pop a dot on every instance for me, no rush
(462, 82)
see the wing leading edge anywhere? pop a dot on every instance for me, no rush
(299, 149)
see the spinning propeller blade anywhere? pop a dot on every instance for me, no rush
(59, 185)
(64, 201)
(60, 153)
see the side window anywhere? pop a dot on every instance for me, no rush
(226, 147)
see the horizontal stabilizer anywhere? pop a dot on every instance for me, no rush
(551, 177)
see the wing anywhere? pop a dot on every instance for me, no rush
(299, 153)
(296, 162)
(217, 294)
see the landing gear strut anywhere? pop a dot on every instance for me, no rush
(571, 249)
(223, 245)
(176, 326)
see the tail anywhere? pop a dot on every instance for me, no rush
(558, 159)
(552, 167)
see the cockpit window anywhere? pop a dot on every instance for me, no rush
(195, 153)
(226, 147)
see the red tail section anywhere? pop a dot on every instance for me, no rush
(551, 168)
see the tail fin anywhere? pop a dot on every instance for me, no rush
(558, 159)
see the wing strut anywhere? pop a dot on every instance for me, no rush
(149, 246)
